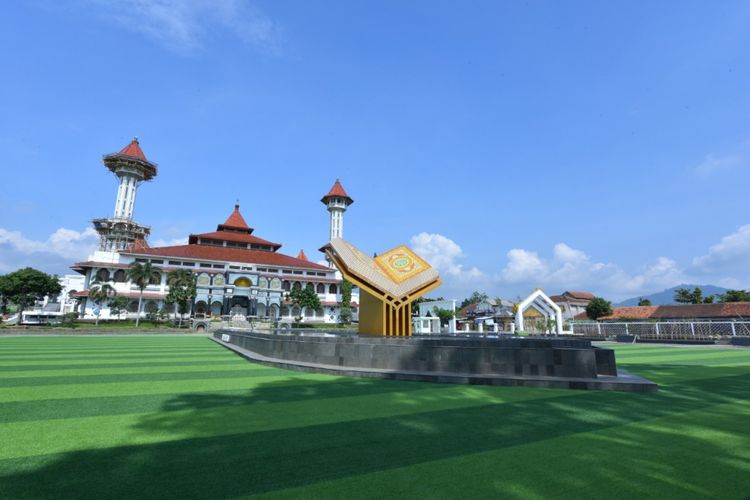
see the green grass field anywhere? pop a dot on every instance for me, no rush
(161, 416)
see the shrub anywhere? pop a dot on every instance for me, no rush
(69, 320)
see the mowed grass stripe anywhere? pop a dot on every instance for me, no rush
(635, 460)
(56, 436)
(281, 391)
(256, 462)
(37, 368)
(113, 357)
(119, 378)
(114, 360)
(68, 391)
(106, 369)
(556, 407)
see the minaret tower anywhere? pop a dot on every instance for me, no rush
(337, 202)
(131, 167)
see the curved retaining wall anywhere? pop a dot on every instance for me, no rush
(523, 357)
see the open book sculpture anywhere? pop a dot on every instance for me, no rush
(388, 285)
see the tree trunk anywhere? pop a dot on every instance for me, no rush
(138, 317)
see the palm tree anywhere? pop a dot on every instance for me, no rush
(141, 275)
(101, 292)
(181, 288)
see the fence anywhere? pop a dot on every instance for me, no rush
(666, 330)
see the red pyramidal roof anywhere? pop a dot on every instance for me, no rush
(236, 221)
(337, 191)
(133, 149)
(301, 255)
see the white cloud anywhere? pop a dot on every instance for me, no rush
(184, 25)
(712, 164)
(442, 253)
(161, 242)
(570, 268)
(54, 254)
(64, 242)
(731, 254)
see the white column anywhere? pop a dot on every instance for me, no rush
(133, 187)
(121, 195)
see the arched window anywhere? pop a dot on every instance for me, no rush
(151, 306)
(321, 288)
(286, 285)
(102, 275)
(262, 283)
(295, 311)
(332, 289)
(284, 311)
(120, 276)
(297, 286)
(310, 286)
(242, 282)
(133, 306)
(309, 312)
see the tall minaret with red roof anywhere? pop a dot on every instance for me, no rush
(131, 167)
(337, 202)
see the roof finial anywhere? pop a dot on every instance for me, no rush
(135, 139)
(237, 204)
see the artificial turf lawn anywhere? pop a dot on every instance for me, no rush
(169, 416)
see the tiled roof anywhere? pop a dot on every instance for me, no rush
(337, 190)
(579, 295)
(467, 310)
(235, 221)
(721, 310)
(634, 312)
(133, 149)
(232, 236)
(208, 252)
(729, 310)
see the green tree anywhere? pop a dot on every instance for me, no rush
(683, 296)
(100, 292)
(345, 312)
(141, 275)
(445, 315)
(734, 296)
(644, 302)
(598, 307)
(118, 305)
(475, 298)
(26, 286)
(709, 299)
(182, 291)
(305, 298)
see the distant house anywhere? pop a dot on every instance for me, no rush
(730, 311)
(488, 315)
(572, 303)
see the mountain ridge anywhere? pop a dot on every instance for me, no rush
(666, 297)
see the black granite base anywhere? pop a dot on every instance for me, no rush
(549, 362)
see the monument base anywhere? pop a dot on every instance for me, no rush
(551, 363)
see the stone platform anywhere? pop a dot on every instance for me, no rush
(548, 362)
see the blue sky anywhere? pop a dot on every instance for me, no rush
(601, 146)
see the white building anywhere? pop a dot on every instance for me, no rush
(236, 271)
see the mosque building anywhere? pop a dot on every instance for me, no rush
(236, 271)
